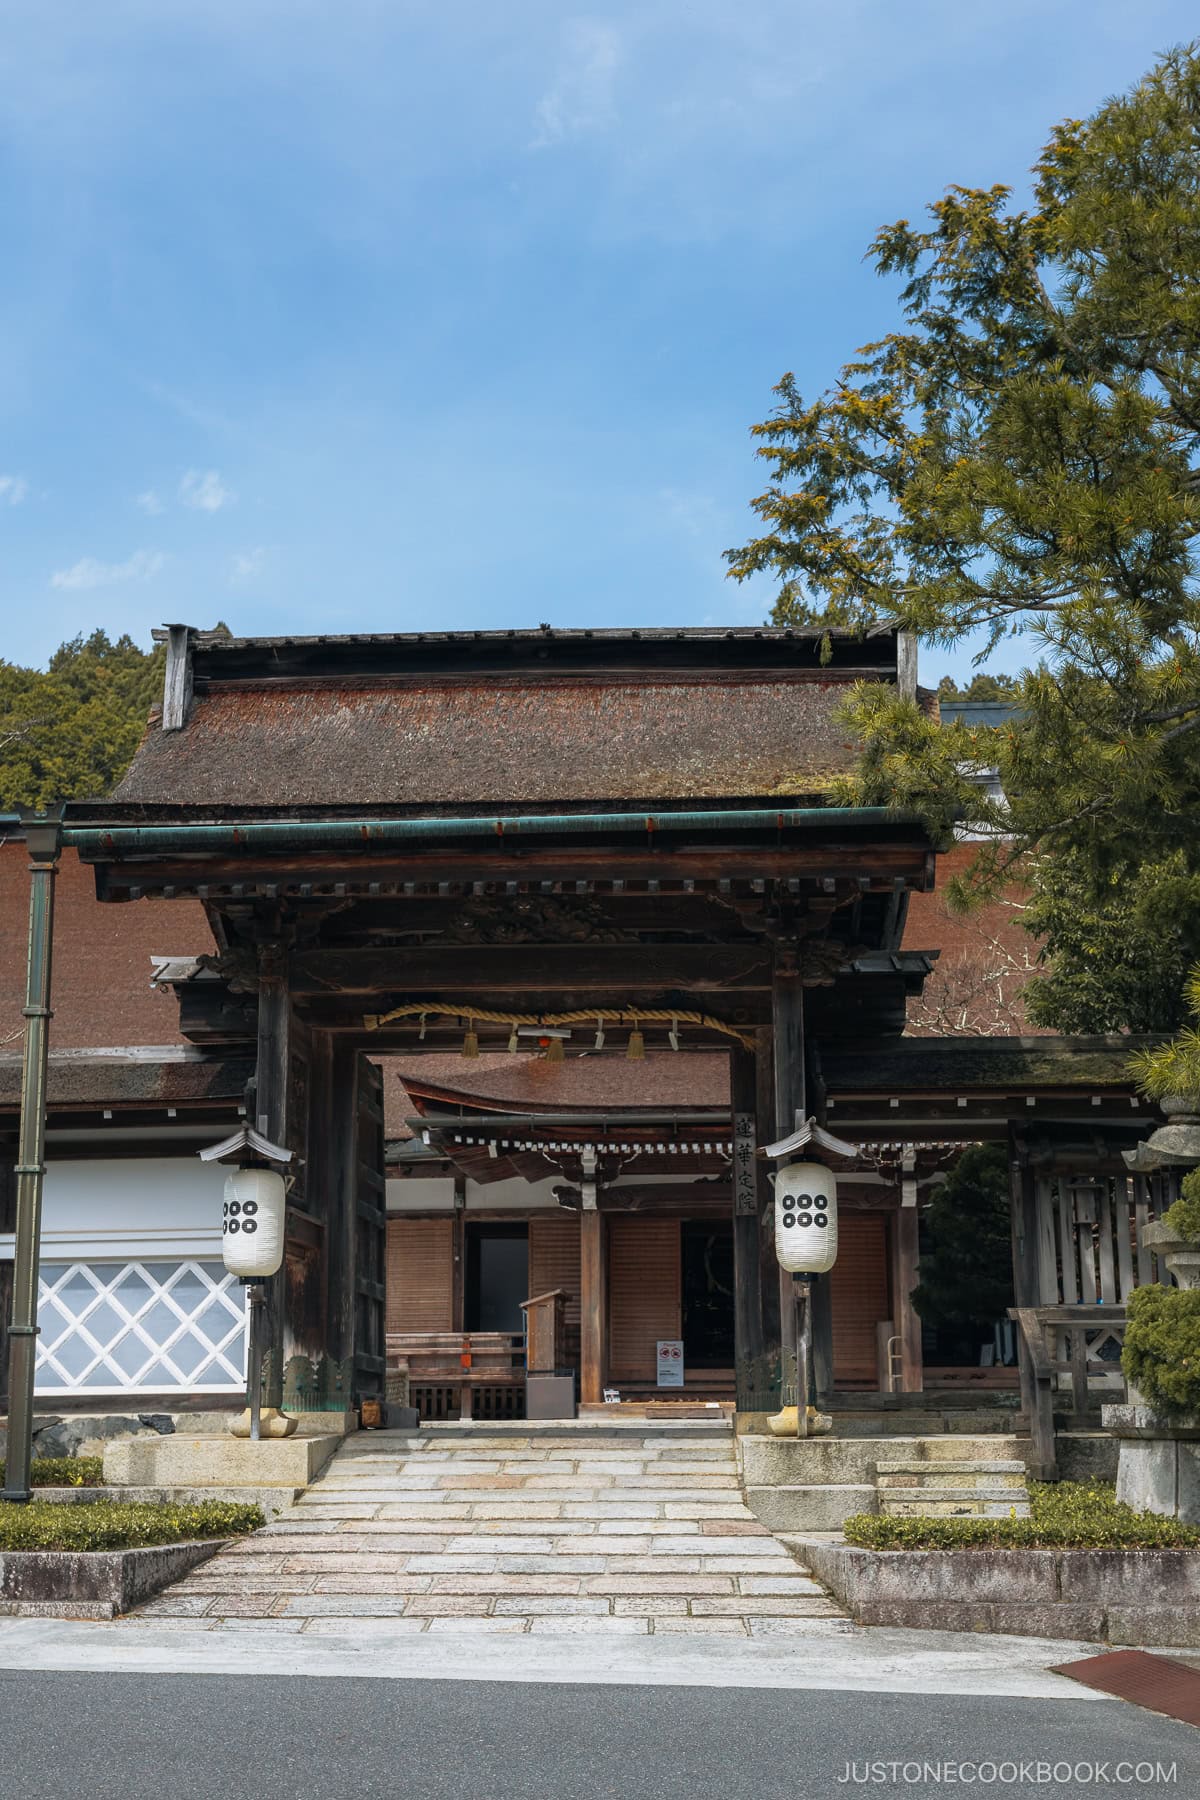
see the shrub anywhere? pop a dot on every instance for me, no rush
(1065, 1515)
(119, 1525)
(64, 1471)
(1161, 1354)
(1184, 1217)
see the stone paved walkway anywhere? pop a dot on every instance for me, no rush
(560, 1530)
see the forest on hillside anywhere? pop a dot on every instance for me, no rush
(68, 732)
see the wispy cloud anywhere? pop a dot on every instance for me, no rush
(88, 572)
(693, 514)
(204, 491)
(247, 564)
(580, 98)
(13, 490)
(149, 502)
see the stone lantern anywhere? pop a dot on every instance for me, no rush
(1159, 1464)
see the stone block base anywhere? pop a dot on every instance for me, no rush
(810, 1508)
(210, 1462)
(1161, 1475)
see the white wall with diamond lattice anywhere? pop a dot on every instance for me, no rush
(114, 1328)
(133, 1295)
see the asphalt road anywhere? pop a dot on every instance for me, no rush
(134, 1737)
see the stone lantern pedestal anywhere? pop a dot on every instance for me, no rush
(1158, 1468)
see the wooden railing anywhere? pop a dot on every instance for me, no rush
(1044, 1332)
(448, 1370)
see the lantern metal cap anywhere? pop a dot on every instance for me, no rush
(810, 1134)
(246, 1139)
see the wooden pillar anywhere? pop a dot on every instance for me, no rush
(1023, 1220)
(764, 1116)
(749, 1176)
(319, 1183)
(593, 1308)
(787, 1031)
(340, 1159)
(822, 1336)
(904, 1279)
(1024, 1228)
(821, 1286)
(791, 1110)
(458, 1290)
(271, 1109)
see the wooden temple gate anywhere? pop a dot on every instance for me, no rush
(414, 842)
(616, 840)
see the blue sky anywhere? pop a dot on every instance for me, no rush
(385, 314)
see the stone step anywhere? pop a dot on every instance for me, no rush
(819, 1461)
(946, 1503)
(947, 1413)
(962, 1490)
(950, 1466)
(538, 1434)
(797, 1508)
(488, 1529)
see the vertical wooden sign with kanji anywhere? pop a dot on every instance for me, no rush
(745, 1180)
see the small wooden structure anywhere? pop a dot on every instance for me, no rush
(545, 1332)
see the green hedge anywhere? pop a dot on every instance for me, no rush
(64, 1471)
(119, 1525)
(1065, 1515)
(1161, 1352)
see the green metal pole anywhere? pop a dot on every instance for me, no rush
(43, 838)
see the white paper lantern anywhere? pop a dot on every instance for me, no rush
(252, 1223)
(806, 1229)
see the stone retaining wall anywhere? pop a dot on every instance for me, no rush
(93, 1584)
(1103, 1596)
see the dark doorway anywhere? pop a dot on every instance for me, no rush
(497, 1277)
(707, 1253)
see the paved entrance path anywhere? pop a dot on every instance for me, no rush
(560, 1529)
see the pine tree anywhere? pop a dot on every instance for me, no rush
(1023, 459)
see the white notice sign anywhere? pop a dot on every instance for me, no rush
(670, 1362)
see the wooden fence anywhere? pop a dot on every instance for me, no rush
(1087, 1256)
